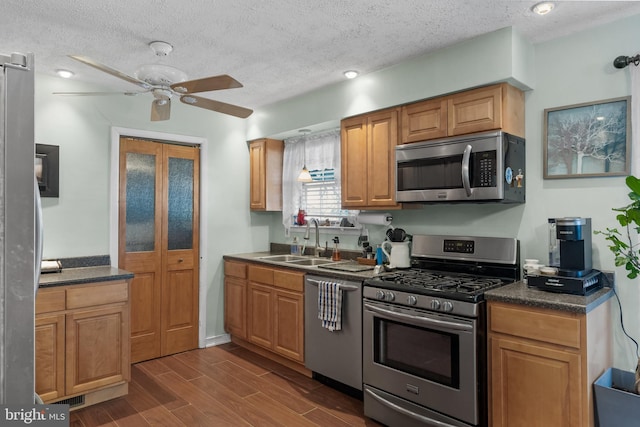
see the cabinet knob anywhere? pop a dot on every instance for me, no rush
(181, 260)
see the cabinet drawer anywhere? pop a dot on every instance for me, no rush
(289, 280)
(261, 275)
(49, 300)
(100, 294)
(235, 269)
(536, 324)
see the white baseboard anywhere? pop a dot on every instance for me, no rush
(217, 340)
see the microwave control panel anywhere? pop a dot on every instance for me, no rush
(484, 170)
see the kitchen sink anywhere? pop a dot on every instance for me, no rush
(311, 261)
(283, 258)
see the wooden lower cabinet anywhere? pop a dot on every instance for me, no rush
(82, 342)
(543, 364)
(264, 306)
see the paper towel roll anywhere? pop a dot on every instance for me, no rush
(375, 218)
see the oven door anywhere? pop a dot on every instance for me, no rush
(423, 357)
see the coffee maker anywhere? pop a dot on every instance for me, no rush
(574, 236)
(574, 273)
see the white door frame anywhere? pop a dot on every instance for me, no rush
(116, 133)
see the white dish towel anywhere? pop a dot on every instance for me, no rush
(330, 305)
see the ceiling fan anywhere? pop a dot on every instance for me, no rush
(164, 82)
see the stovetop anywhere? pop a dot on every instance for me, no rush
(425, 282)
(448, 273)
(461, 287)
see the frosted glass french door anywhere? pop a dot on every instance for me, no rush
(159, 243)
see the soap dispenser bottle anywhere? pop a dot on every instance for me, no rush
(335, 256)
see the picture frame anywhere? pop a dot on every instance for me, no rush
(591, 139)
(47, 165)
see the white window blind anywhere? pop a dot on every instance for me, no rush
(321, 197)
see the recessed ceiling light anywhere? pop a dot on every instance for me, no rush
(543, 8)
(351, 74)
(65, 74)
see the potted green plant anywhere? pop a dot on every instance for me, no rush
(617, 392)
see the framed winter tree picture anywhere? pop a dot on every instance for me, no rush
(585, 140)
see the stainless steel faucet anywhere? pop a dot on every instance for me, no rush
(317, 249)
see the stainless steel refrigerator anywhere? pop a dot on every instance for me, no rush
(18, 253)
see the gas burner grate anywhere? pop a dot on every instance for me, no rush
(427, 281)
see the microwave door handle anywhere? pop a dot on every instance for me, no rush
(466, 155)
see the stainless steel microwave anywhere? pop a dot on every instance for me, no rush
(481, 167)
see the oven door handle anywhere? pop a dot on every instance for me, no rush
(418, 320)
(466, 155)
(421, 418)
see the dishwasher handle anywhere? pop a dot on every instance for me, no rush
(348, 288)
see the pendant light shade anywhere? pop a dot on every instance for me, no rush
(304, 175)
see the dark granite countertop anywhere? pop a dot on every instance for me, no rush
(80, 270)
(519, 293)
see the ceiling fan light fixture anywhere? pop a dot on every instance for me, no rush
(351, 74)
(65, 74)
(543, 8)
(189, 100)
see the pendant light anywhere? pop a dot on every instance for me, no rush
(304, 175)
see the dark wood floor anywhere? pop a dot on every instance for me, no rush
(225, 385)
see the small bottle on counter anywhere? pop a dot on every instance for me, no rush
(335, 256)
(295, 249)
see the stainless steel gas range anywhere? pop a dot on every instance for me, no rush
(424, 332)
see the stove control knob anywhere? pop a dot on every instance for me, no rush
(447, 306)
(435, 304)
(380, 295)
(390, 296)
(411, 300)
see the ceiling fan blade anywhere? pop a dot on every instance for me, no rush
(160, 110)
(97, 93)
(111, 71)
(206, 84)
(220, 107)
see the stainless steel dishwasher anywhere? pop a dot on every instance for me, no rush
(335, 355)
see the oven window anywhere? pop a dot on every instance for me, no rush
(425, 353)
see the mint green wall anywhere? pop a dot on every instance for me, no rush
(562, 72)
(77, 223)
(567, 71)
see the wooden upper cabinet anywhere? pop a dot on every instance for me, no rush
(368, 160)
(424, 120)
(266, 174)
(495, 107)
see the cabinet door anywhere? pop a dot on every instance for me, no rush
(353, 152)
(97, 348)
(424, 120)
(475, 110)
(382, 138)
(534, 384)
(49, 356)
(289, 324)
(260, 328)
(265, 156)
(235, 306)
(257, 172)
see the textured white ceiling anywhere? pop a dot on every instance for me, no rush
(276, 48)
